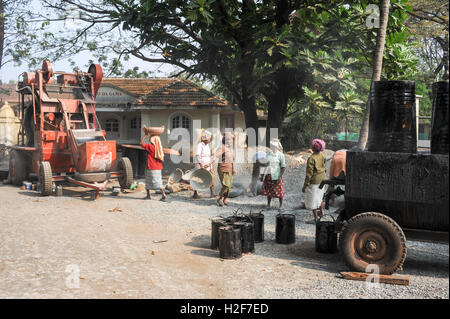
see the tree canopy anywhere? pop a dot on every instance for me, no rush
(275, 54)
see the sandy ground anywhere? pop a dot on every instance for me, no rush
(74, 247)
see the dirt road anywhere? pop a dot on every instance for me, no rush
(73, 247)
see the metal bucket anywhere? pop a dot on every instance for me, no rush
(247, 236)
(285, 229)
(153, 130)
(176, 176)
(216, 223)
(326, 237)
(230, 242)
(258, 226)
(200, 179)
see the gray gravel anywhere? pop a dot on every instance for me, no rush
(119, 254)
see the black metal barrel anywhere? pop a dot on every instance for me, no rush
(285, 229)
(247, 236)
(258, 226)
(439, 122)
(326, 236)
(215, 224)
(393, 117)
(230, 242)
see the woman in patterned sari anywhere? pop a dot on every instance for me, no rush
(273, 185)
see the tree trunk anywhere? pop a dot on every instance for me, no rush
(248, 105)
(2, 31)
(377, 67)
(277, 107)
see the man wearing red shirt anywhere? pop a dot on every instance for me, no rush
(154, 166)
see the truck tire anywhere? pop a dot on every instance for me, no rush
(45, 179)
(18, 167)
(126, 179)
(373, 239)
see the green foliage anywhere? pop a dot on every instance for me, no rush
(319, 58)
(135, 73)
(338, 51)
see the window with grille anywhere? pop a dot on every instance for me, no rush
(135, 123)
(112, 125)
(181, 121)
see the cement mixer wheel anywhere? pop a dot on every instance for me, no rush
(45, 179)
(126, 179)
(375, 240)
(18, 167)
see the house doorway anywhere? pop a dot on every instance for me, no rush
(112, 129)
(134, 128)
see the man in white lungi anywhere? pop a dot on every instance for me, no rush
(203, 159)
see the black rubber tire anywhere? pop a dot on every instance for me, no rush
(368, 228)
(45, 179)
(125, 167)
(18, 167)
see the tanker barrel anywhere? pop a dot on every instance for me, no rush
(439, 122)
(393, 117)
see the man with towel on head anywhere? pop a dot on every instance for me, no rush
(154, 166)
(203, 159)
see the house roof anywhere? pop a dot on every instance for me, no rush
(138, 87)
(171, 92)
(181, 93)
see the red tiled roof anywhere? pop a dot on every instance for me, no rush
(182, 93)
(139, 87)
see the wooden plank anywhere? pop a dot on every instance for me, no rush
(385, 279)
(138, 147)
(23, 148)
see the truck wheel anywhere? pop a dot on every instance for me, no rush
(373, 239)
(18, 167)
(45, 179)
(126, 179)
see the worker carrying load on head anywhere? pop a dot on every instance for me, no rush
(154, 165)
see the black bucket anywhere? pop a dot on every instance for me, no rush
(247, 236)
(439, 122)
(393, 117)
(230, 242)
(258, 226)
(285, 229)
(326, 237)
(215, 224)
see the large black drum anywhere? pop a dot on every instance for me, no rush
(326, 236)
(285, 229)
(439, 122)
(230, 244)
(393, 117)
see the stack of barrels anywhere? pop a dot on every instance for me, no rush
(237, 234)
